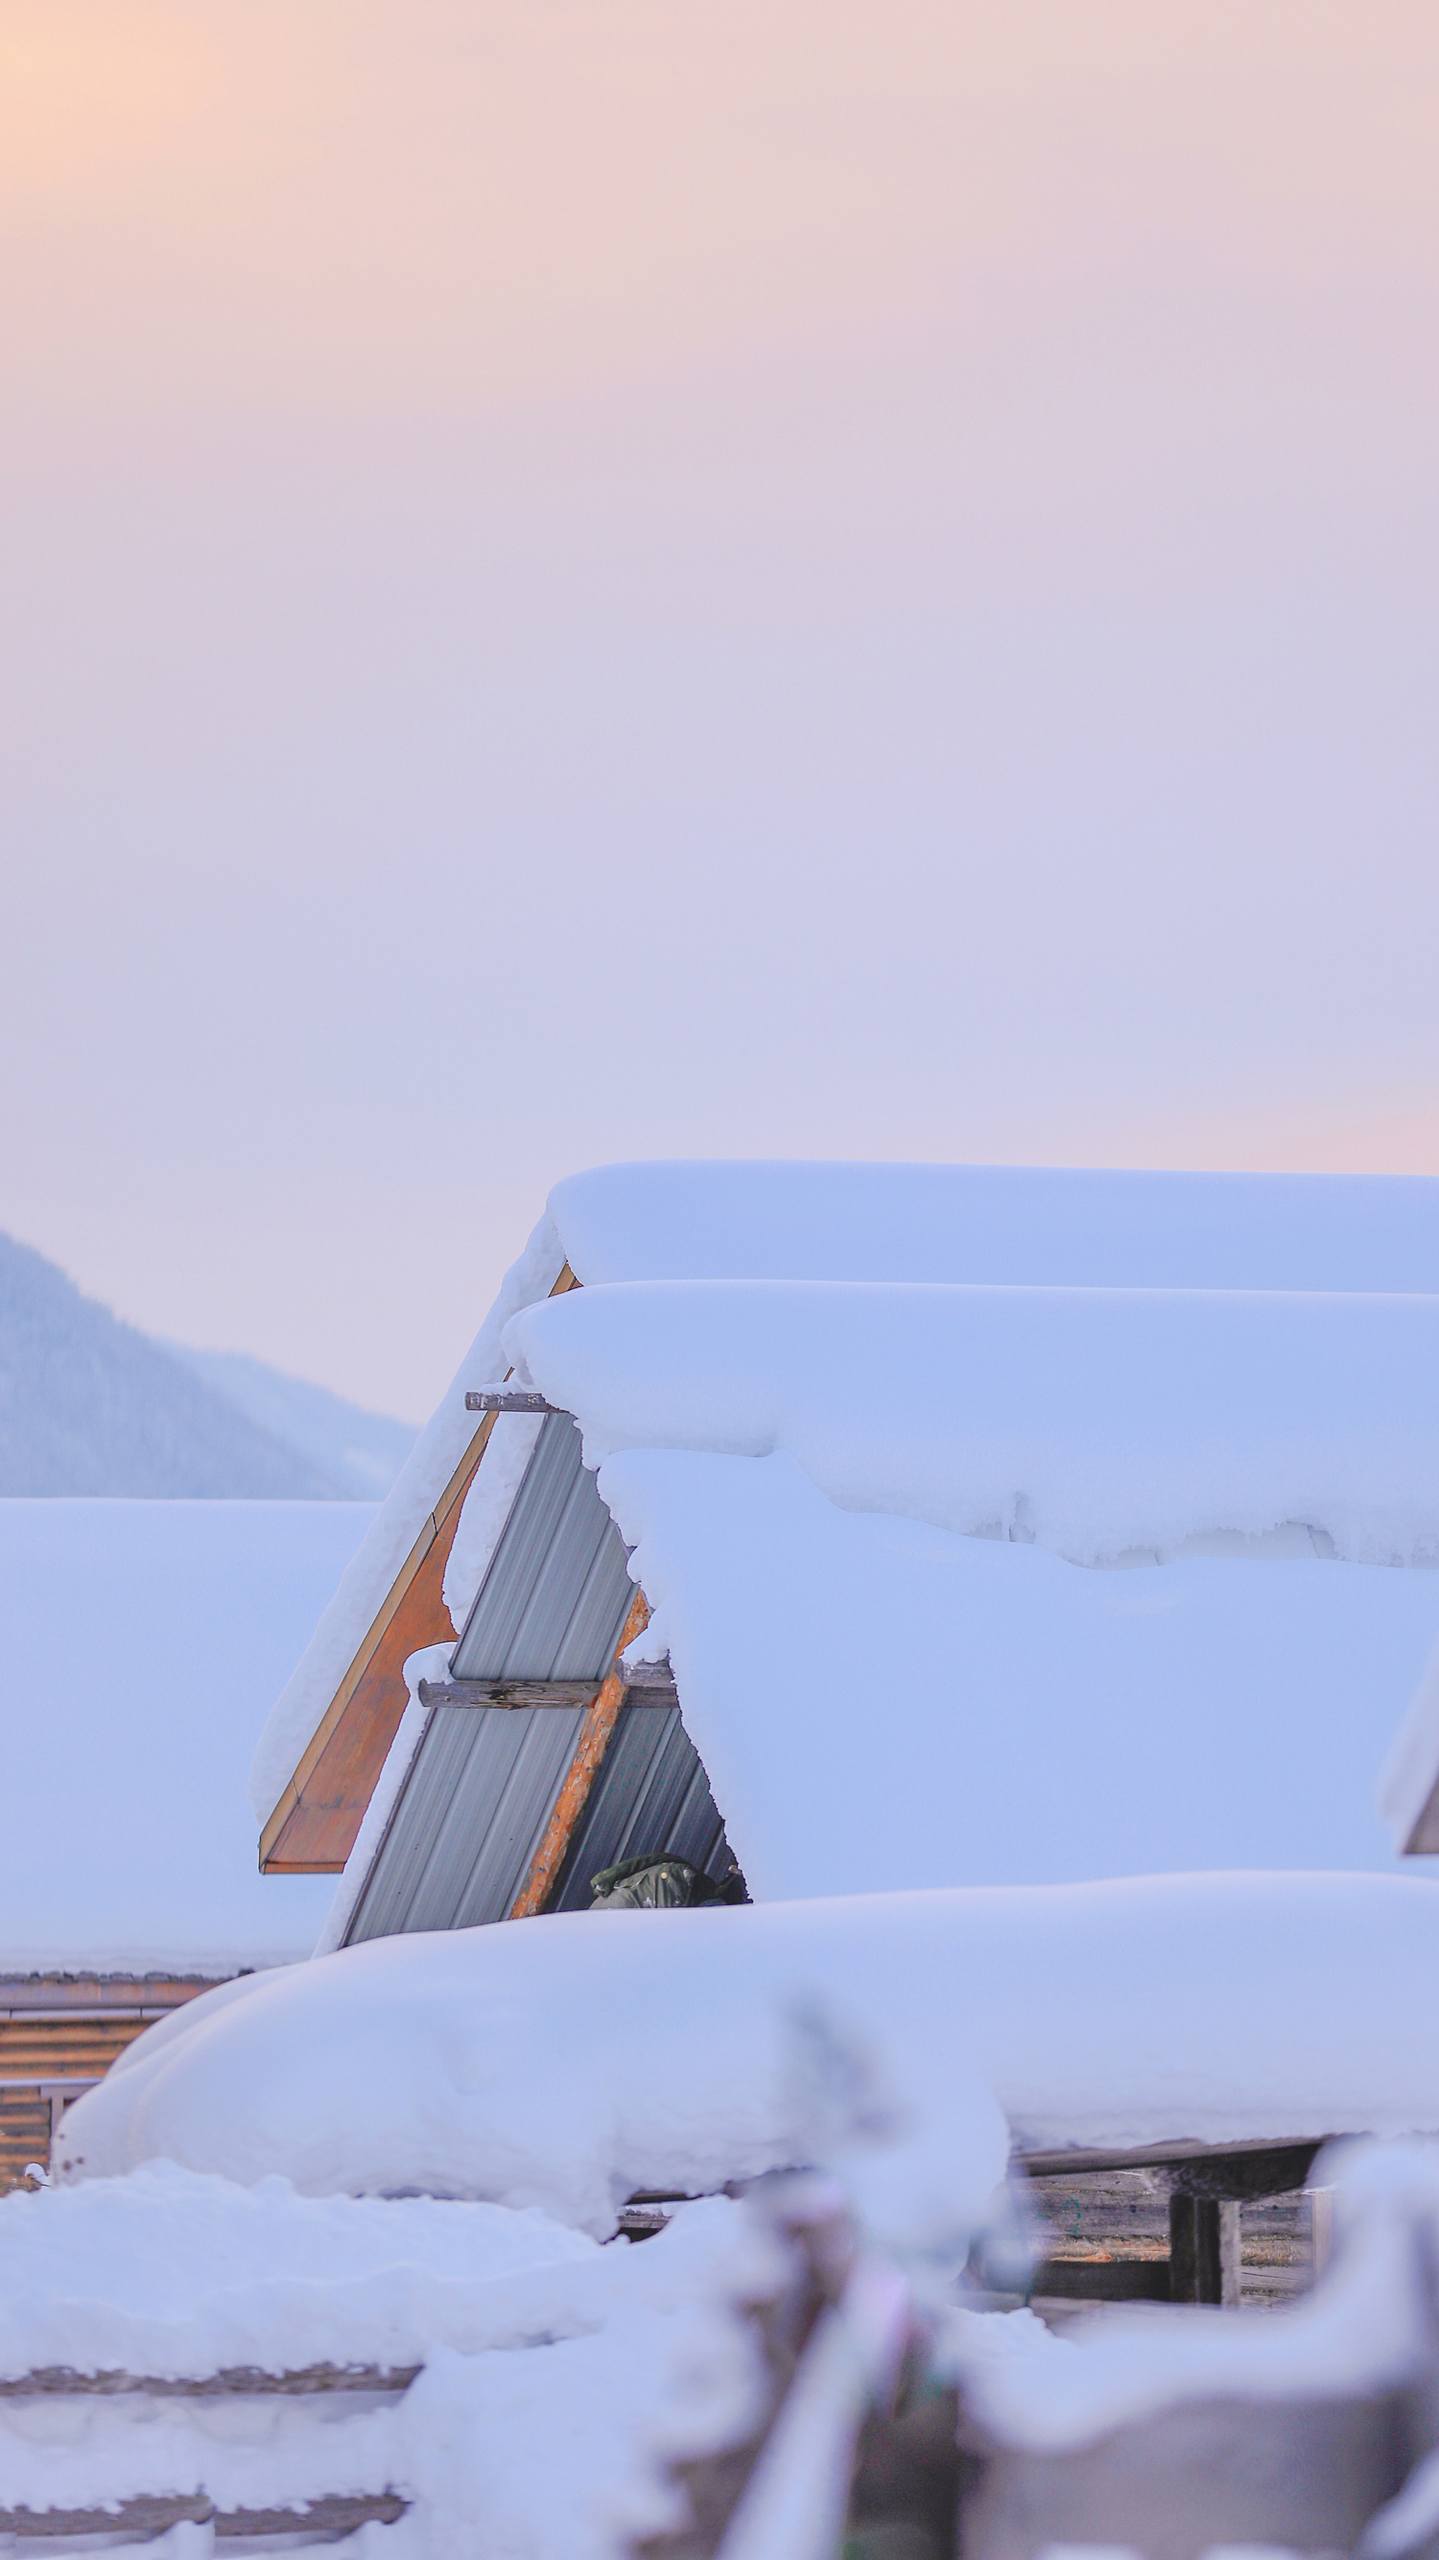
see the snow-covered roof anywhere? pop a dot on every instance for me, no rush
(839, 1499)
(1002, 1223)
(973, 1224)
(1101, 1423)
(142, 1641)
(811, 1386)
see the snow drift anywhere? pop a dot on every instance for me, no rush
(567, 2062)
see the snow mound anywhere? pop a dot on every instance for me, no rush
(880, 1704)
(551, 2368)
(566, 2062)
(1099, 1423)
(999, 1224)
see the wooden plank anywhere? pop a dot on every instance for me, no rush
(600, 1720)
(1244, 2177)
(538, 1693)
(507, 1693)
(132, 2516)
(62, 2381)
(138, 1995)
(507, 1400)
(1203, 2249)
(1157, 2155)
(313, 1827)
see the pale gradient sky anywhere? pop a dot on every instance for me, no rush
(698, 576)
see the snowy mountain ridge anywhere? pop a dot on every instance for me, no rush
(91, 1405)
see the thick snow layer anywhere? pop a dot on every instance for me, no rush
(565, 2062)
(887, 1222)
(880, 1704)
(1099, 1423)
(999, 1223)
(544, 2063)
(169, 2273)
(143, 1641)
(550, 2366)
(371, 1572)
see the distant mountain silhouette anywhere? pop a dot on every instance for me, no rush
(365, 1451)
(90, 1405)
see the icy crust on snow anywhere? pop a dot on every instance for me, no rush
(880, 1704)
(1103, 1424)
(142, 1641)
(371, 1571)
(1002, 1224)
(566, 2062)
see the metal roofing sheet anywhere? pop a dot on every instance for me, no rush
(483, 1783)
(651, 1793)
(469, 1820)
(554, 1595)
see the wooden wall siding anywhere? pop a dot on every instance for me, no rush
(58, 2037)
(312, 1829)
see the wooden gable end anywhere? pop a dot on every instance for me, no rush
(313, 1827)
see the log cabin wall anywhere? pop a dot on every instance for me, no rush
(59, 2034)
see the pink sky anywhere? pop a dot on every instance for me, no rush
(600, 580)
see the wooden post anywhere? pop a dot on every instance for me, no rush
(1203, 2249)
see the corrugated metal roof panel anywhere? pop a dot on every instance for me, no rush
(554, 1595)
(469, 1820)
(651, 1794)
(484, 1780)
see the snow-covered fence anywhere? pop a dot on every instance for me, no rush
(305, 2455)
(1161, 2435)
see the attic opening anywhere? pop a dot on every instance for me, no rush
(540, 1766)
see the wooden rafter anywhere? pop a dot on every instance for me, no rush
(312, 1828)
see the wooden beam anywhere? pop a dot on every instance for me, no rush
(599, 1724)
(1174, 2155)
(60, 2381)
(318, 2518)
(649, 1692)
(506, 1693)
(1203, 2249)
(1242, 2177)
(312, 1828)
(1102, 2280)
(507, 1400)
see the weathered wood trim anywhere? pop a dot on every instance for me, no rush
(508, 1400)
(1176, 2155)
(317, 2518)
(284, 1847)
(539, 1693)
(1203, 2249)
(601, 1717)
(506, 1693)
(63, 2381)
